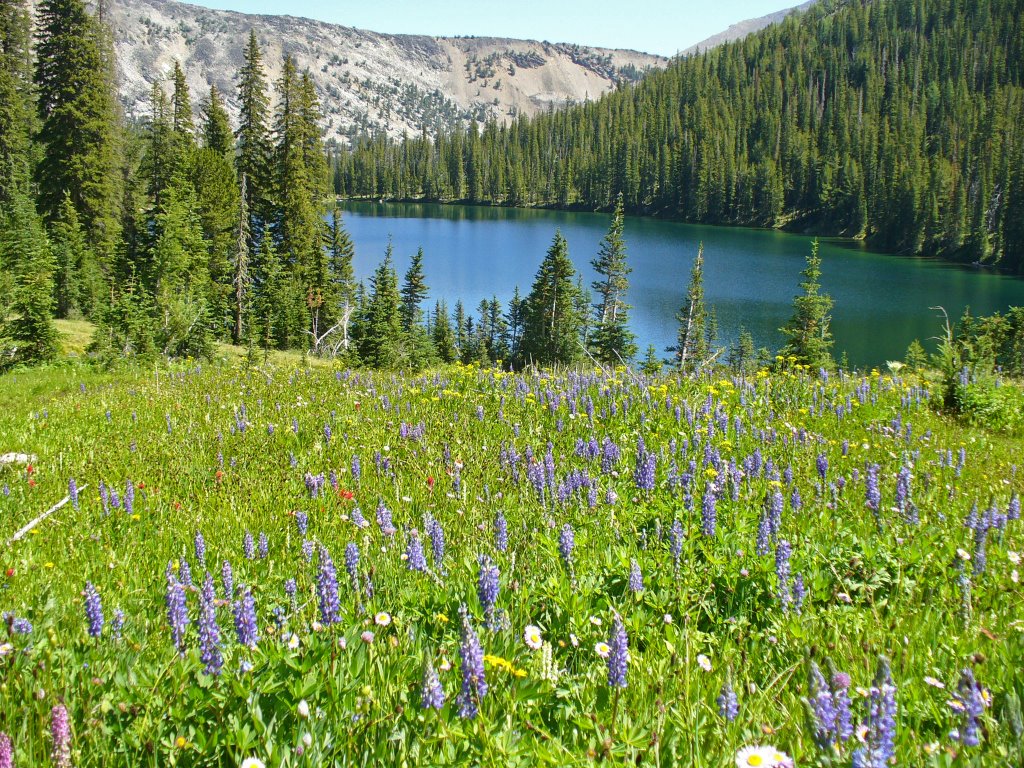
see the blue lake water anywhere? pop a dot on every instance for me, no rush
(882, 302)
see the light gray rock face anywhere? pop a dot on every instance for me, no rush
(367, 82)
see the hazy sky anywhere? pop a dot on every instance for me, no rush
(655, 26)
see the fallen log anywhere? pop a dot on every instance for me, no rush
(33, 523)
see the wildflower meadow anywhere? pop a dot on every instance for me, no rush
(292, 566)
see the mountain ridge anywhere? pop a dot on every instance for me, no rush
(368, 82)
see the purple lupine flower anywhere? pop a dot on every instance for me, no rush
(228, 581)
(129, 497)
(263, 547)
(636, 578)
(104, 496)
(209, 632)
(185, 573)
(841, 703)
(60, 735)
(432, 693)
(782, 554)
(117, 623)
(327, 587)
(414, 558)
(1013, 509)
(566, 543)
(822, 463)
(246, 629)
(675, 541)
(763, 546)
(387, 527)
(643, 474)
(971, 703)
(708, 512)
(357, 518)
(799, 593)
(73, 493)
(302, 523)
(327, 432)
(488, 585)
(474, 682)
(880, 723)
(823, 708)
(307, 550)
(177, 611)
(728, 704)
(775, 505)
(618, 654)
(291, 589)
(20, 626)
(200, 550)
(248, 546)
(795, 502)
(500, 532)
(872, 495)
(352, 564)
(93, 610)
(609, 456)
(535, 474)
(6, 751)
(436, 534)
(357, 470)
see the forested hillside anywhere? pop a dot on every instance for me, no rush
(897, 120)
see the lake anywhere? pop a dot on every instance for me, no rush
(882, 302)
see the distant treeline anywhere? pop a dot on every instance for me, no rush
(901, 121)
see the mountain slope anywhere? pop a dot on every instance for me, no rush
(743, 28)
(368, 82)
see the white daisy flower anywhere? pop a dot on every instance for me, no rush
(532, 637)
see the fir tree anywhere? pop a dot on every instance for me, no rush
(78, 115)
(612, 340)
(551, 332)
(77, 282)
(742, 356)
(382, 343)
(808, 331)
(691, 348)
(182, 119)
(254, 148)
(25, 254)
(443, 334)
(16, 108)
(343, 293)
(217, 126)
(414, 291)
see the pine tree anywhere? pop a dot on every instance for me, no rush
(808, 331)
(742, 356)
(78, 283)
(381, 345)
(651, 365)
(25, 254)
(443, 334)
(217, 126)
(254, 148)
(612, 340)
(16, 109)
(182, 119)
(691, 348)
(551, 332)
(242, 279)
(343, 292)
(79, 130)
(515, 320)
(414, 291)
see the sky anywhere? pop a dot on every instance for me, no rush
(654, 26)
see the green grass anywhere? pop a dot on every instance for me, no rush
(875, 586)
